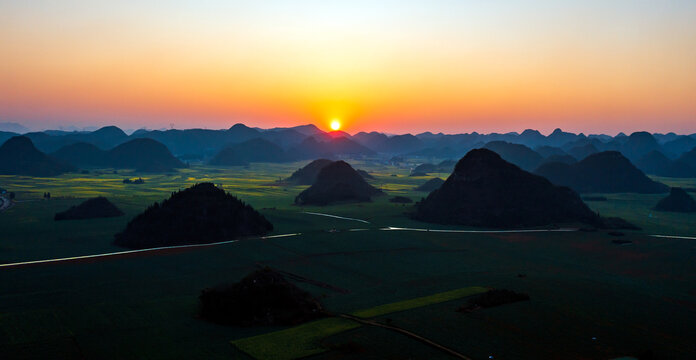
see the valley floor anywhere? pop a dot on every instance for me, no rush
(590, 297)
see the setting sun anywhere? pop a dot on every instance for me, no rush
(335, 124)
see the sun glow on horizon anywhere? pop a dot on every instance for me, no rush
(335, 124)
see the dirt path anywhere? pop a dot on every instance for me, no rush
(407, 333)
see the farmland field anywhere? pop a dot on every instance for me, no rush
(590, 298)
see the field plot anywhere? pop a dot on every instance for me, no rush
(304, 340)
(590, 297)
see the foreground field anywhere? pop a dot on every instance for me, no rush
(590, 298)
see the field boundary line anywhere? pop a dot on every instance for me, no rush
(127, 252)
(336, 216)
(407, 333)
(674, 237)
(392, 228)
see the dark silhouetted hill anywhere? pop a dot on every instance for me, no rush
(307, 175)
(485, 190)
(285, 138)
(532, 138)
(19, 156)
(425, 168)
(200, 214)
(141, 154)
(310, 148)
(558, 138)
(263, 297)
(582, 151)
(688, 158)
(566, 159)
(366, 175)
(656, 163)
(345, 146)
(145, 155)
(547, 151)
(444, 151)
(255, 150)
(83, 155)
(431, 185)
(202, 142)
(638, 144)
(396, 144)
(105, 138)
(373, 140)
(605, 172)
(241, 131)
(677, 201)
(52, 140)
(4, 136)
(517, 154)
(679, 145)
(445, 166)
(99, 207)
(400, 144)
(329, 147)
(336, 182)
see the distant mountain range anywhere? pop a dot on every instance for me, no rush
(145, 155)
(657, 154)
(13, 128)
(605, 172)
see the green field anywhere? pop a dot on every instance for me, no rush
(305, 340)
(630, 298)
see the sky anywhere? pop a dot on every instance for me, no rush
(392, 66)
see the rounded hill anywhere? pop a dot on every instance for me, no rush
(19, 156)
(485, 190)
(307, 175)
(431, 185)
(99, 207)
(678, 200)
(336, 182)
(264, 297)
(605, 172)
(144, 154)
(200, 214)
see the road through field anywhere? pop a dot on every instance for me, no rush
(165, 249)
(128, 252)
(674, 237)
(160, 250)
(520, 231)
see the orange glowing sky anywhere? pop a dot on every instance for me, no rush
(392, 66)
